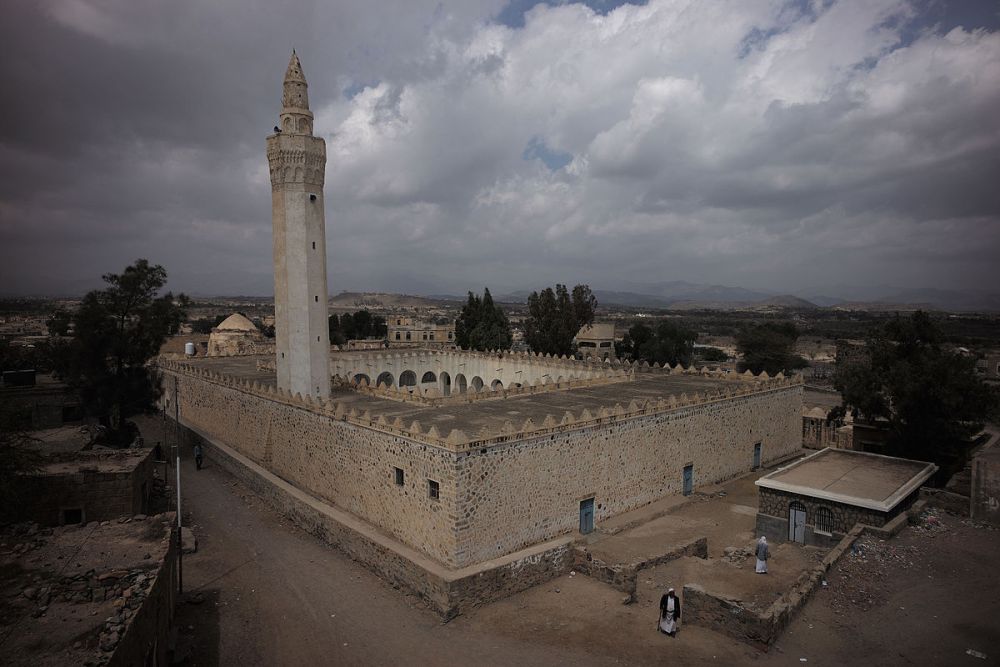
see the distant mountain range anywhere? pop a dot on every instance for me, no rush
(682, 295)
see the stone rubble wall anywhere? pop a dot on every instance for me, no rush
(500, 491)
(529, 490)
(447, 596)
(625, 576)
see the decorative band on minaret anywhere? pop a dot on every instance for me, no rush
(297, 162)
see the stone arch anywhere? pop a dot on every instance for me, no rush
(461, 383)
(359, 377)
(407, 379)
(428, 377)
(298, 174)
(445, 381)
(384, 378)
(287, 124)
(496, 385)
(288, 174)
(303, 126)
(477, 383)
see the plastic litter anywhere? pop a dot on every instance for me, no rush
(975, 654)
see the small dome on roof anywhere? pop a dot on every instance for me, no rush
(236, 322)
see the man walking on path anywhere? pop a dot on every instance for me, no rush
(197, 456)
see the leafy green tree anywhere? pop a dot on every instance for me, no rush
(117, 330)
(769, 347)
(670, 344)
(555, 316)
(205, 325)
(58, 324)
(711, 354)
(928, 396)
(482, 324)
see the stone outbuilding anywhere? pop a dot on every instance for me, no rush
(818, 499)
(596, 341)
(235, 336)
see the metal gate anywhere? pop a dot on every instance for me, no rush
(756, 456)
(587, 516)
(688, 479)
(797, 522)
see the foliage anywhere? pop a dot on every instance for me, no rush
(555, 317)
(58, 324)
(928, 395)
(711, 354)
(482, 325)
(17, 457)
(669, 343)
(359, 325)
(205, 325)
(769, 347)
(117, 330)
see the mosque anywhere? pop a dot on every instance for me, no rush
(462, 476)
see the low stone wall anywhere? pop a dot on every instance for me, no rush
(624, 576)
(146, 638)
(447, 592)
(760, 629)
(955, 503)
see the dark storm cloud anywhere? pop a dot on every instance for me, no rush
(768, 144)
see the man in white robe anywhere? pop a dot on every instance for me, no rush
(763, 553)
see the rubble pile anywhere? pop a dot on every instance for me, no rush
(737, 556)
(858, 583)
(930, 521)
(128, 589)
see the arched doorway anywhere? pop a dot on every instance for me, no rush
(445, 383)
(362, 380)
(496, 385)
(407, 379)
(384, 379)
(477, 383)
(461, 384)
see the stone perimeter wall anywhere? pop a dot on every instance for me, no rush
(508, 494)
(515, 495)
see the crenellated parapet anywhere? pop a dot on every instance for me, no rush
(456, 440)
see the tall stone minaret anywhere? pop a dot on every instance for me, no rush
(297, 162)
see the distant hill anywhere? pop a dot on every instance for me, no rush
(382, 300)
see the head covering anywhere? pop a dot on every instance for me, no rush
(763, 539)
(670, 590)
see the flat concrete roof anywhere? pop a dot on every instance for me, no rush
(854, 478)
(471, 417)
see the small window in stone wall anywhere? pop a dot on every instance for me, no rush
(399, 476)
(824, 520)
(433, 490)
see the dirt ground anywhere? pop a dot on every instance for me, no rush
(260, 591)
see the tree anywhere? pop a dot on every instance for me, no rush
(555, 317)
(712, 354)
(58, 324)
(769, 347)
(482, 325)
(928, 397)
(669, 343)
(205, 325)
(117, 330)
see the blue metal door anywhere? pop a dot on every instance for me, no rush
(587, 515)
(756, 456)
(688, 479)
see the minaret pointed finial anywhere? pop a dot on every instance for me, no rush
(295, 115)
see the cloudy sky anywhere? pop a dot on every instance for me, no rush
(790, 146)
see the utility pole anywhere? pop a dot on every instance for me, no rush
(177, 444)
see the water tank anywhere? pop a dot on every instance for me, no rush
(189, 349)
